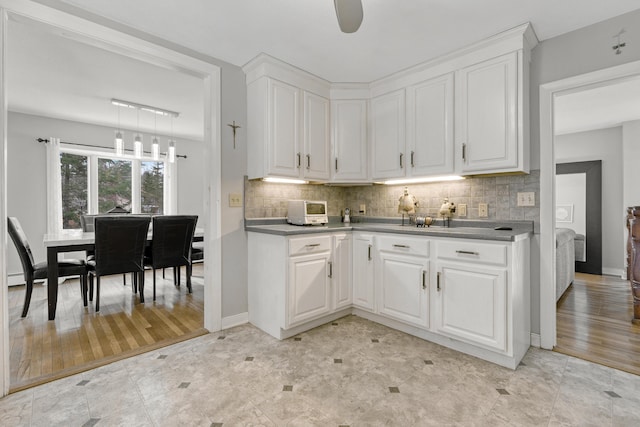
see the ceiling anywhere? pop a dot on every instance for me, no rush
(56, 76)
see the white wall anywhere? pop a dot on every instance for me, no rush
(605, 145)
(577, 52)
(571, 190)
(630, 164)
(26, 173)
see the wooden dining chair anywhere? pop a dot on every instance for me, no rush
(34, 271)
(119, 249)
(171, 245)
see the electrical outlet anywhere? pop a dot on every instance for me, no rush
(483, 211)
(527, 199)
(363, 209)
(462, 209)
(235, 200)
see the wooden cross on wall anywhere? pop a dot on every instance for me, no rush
(234, 126)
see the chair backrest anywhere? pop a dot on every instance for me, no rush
(22, 246)
(172, 239)
(87, 222)
(119, 243)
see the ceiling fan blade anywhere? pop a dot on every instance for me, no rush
(349, 14)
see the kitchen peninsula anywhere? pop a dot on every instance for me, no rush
(465, 287)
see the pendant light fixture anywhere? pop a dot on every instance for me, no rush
(172, 146)
(155, 146)
(137, 142)
(119, 141)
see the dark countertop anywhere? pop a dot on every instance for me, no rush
(466, 229)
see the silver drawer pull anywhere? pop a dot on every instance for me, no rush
(438, 282)
(424, 279)
(401, 246)
(330, 269)
(312, 245)
(468, 252)
(369, 253)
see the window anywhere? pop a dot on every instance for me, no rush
(74, 179)
(114, 184)
(93, 182)
(152, 187)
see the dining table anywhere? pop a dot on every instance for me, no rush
(74, 241)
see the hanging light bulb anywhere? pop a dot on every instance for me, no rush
(119, 142)
(172, 151)
(137, 142)
(172, 146)
(155, 146)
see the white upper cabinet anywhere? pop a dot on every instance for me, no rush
(349, 128)
(488, 116)
(316, 137)
(284, 158)
(430, 144)
(388, 135)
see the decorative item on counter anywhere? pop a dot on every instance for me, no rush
(347, 218)
(446, 210)
(407, 204)
(422, 221)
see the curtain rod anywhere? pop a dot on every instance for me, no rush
(41, 140)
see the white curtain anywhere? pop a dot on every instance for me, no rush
(54, 187)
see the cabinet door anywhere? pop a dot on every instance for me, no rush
(430, 127)
(388, 135)
(349, 126)
(487, 118)
(284, 154)
(404, 288)
(363, 285)
(316, 137)
(472, 304)
(309, 290)
(341, 271)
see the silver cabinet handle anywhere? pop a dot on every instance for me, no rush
(401, 246)
(412, 156)
(369, 254)
(298, 155)
(401, 156)
(336, 164)
(308, 161)
(330, 269)
(438, 282)
(464, 152)
(424, 281)
(312, 245)
(468, 252)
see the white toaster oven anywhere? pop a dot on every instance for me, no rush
(307, 212)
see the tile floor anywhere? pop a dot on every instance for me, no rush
(351, 372)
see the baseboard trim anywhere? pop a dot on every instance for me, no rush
(618, 272)
(535, 340)
(235, 320)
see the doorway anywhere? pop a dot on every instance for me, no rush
(549, 94)
(115, 41)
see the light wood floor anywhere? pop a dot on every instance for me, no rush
(594, 323)
(81, 339)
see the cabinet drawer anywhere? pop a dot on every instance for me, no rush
(473, 252)
(404, 245)
(309, 245)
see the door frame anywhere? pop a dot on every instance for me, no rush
(593, 211)
(128, 45)
(548, 93)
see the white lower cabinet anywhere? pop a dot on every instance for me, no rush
(299, 282)
(471, 304)
(469, 295)
(403, 280)
(363, 283)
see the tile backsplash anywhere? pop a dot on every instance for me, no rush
(267, 200)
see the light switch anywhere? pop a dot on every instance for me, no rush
(483, 211)
(235, 200)
(462, 209)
